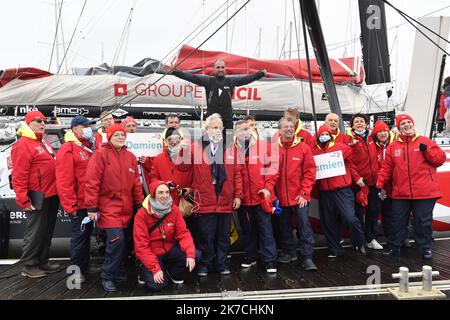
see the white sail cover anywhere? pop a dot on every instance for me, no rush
(109, 90)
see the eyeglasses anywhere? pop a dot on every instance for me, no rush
(39, 120)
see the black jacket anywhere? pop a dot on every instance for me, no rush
(219, 103)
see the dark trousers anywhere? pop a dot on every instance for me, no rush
(386, 216)
(214, 239)
(287, 240)
(80, 241)
(38, 234)
(173, 262)
(115, 254)
(338, 205)
(422, 212)
(369, 215)
(257, 233)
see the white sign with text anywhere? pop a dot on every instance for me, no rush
(330, 165)
(144, 144)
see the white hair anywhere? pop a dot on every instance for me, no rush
(280, 122)
(213, 117)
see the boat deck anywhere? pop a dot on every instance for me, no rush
(341, 278)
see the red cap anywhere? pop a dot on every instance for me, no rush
(154, 185)
(380, 125)
(114, 128)
(323, 129)
(362, 197)
(33, 115)
(128, 120)
(400, 118)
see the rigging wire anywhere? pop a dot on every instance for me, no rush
(56, 35)
(174, 67)
(298, 54)
(73, 33)
(122, 36)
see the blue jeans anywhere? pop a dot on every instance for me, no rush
(369, 215)
(257, 233)
(173, 262)
(287, 240)
(80, 241)
(116, 243)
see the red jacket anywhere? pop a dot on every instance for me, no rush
(442, 108)
(100, 138)
(113, 186)
(413, 172)
(33, 166)
(202, 181)
(296, 174)
(253, 170)
(365, 155)
(165, 170)
(340, 137)
(338, 182)
(148, 247)
(71, 165)
(381, 155)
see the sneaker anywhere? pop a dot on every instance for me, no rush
(286, 258)
(202, 272)
(248, 263)
(225, 272)
(175, 281)
(140, 280)
(374, 245)
(342, 241)
(33, 272)
(427, 255)
(391, 252)
(363, 249)
(406, 244)
(50, 268)
(309, 265)
(109, 285)
(332, 255)
(271, 267)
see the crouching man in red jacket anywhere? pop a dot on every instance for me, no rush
(293, 183)
(112, 188)
(411, 164)
(162, 242)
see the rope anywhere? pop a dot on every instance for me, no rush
(56, 34)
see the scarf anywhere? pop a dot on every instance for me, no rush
(217, 164)
(160, 209)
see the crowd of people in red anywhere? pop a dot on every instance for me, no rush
(100, 183)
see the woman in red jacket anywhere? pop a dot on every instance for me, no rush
(336, 199)
(33, 177)
(71, 165)
(162, 242)
(112, 188)
(411, 164)
(364, 150)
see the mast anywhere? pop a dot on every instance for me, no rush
(311, 18)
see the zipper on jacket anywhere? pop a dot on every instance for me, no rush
(409, 171)
(370, 160)
(285, 174)
(161, 228)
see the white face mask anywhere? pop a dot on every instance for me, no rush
(215, 140)
(360, 132)
(87, 133)
(324, 139)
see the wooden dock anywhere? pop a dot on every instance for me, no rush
(347, 271)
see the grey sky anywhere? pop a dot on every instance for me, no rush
(28, 28)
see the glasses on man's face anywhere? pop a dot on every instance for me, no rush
(39, 120)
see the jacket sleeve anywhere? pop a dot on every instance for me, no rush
(349, 163)
(94, 179)
(434, 154)
(309, 174)
(385, 172)
(183, 236)
(65, 178)
(21, 157)
(154, 173)
(200, 80)
(148, 164)
(240, 81)
(138, 195)
(142, 247)
(272, 167)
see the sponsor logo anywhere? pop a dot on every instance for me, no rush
(83, 156)
(131, 170)
(3, 110)
(70, 111)
(27, 109)
(119, 112)
(296, 159)
(170, 224)
(397, 153)
(120, 89)
(244, 93)
(40, 150)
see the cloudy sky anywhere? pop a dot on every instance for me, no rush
(157, 27)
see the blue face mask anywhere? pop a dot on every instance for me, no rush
(277, 209)
(87, 133)
(324, 139)
(85, 221)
